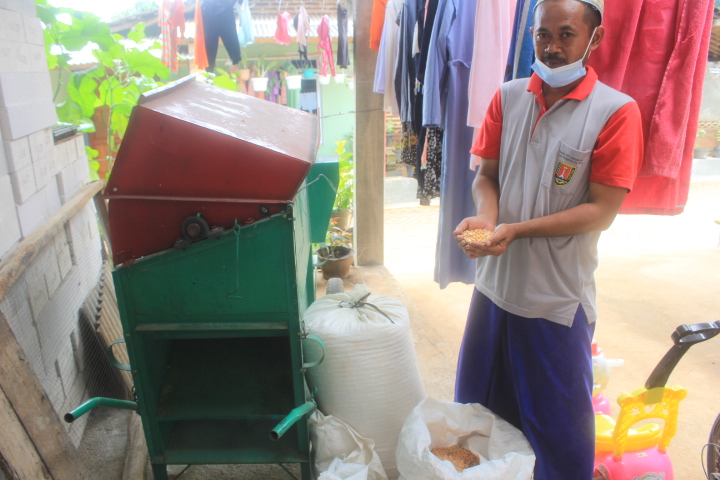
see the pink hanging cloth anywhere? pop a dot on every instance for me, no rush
(171, 16)
(282, 35)
(656, 52)
(325, 47)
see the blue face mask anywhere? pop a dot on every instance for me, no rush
(562, 76)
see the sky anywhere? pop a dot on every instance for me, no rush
(102, 8)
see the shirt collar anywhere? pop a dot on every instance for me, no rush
(580, 92)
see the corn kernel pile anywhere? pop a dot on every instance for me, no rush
(478, 235)
(460, 457)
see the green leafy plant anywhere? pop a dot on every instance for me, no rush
(262, 68)
(126, 68)
(290, 69)
(346, 185)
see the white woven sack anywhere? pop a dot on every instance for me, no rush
(339, 453)
(369, 377)
(504, 452)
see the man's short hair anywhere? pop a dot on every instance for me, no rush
(592, 16)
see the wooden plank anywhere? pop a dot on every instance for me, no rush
(27, 398)
(14, 264)
(369, 146)
(18, 457)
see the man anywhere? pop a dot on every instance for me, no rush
(559, 152)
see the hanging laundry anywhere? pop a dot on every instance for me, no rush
(325, 47)
(493, 34)
(343, 54)
(387, 57)
(171, 17)
(302, 27)
(282, 33)
(521, 54)
(246, 33)
(447, 78)
(431, 167)
(376, 23)
(405, 73)
(430, 13)
(659, 60)
(219, 23)
(200, 55)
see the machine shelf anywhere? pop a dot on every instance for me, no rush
(231, 441)
(227, 378)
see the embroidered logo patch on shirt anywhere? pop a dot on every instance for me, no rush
(564, 173)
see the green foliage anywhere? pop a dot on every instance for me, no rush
(262, 68)
(126, 69)
(346, 187)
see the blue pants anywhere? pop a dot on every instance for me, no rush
(537, 375)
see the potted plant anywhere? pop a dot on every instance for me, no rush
(244, 72)
(336, 255)
(293, 78)
(260, 83)
(342, 210)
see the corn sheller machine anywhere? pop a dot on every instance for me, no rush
(211, 221)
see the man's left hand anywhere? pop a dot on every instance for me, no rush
(496, 245)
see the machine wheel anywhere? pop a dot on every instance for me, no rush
(713, 453)
(195, 228)
(334, 285)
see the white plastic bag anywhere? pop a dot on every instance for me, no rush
(339, 453)
(338, 470)
(505, 453)
(369, 378)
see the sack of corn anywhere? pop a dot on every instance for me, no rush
(444, 440)
(370, 377)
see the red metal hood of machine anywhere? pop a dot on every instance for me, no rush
(191, 148)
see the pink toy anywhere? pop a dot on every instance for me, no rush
(625, 453)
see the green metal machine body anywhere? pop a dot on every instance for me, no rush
(215, 343)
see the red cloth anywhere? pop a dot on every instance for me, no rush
(325, 46)
(619, 140)
(282, 35)
(376, 23)
(171, 16)
(656, 52)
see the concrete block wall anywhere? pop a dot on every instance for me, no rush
(37, 177)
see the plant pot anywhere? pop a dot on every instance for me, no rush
(244, 74)
(339, 78)
(342, 218)
(338, 260)
(701, 152)
(259, 84)
(293, 82)
(308, 72)
(324, 79)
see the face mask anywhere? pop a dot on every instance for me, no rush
(562, 76)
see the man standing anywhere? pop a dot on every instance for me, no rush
(559, 152)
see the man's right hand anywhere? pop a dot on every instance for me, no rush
(474, 249)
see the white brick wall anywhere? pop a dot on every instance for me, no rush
(18, 154)
(38, 208)
(33, 31)
(4, 168)
(22, 120)
(10, 231)
(26, 7)
(24, 185)
(17, 88)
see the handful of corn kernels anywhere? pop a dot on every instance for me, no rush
(478, 235)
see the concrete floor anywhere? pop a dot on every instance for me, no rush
(655, 273)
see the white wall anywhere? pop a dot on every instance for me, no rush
(36, 177)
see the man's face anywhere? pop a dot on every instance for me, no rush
(560, 32)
